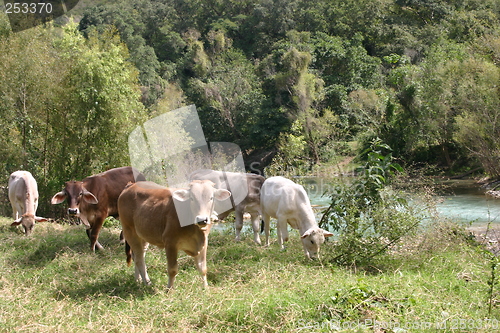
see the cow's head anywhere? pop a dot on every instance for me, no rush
(75, 193)
(28, 222)
(312, 240)
(201, 196)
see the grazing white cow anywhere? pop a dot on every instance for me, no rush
(287, 201)
(23, 196)
(245, 190)
(148, 216)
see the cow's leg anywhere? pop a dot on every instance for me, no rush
(282, 231)
(238, 223)
(172, 266)
(141, 272)
(254, 216)
(93, 233)
(15, 211)
(266, 218)
(201, 263)
(139, 248)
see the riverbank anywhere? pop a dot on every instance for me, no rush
(488, 236)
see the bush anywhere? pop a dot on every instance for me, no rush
(367, 214)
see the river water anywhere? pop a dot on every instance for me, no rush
(467, 202)
(462, 201)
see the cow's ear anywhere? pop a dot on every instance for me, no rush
(307, 233)
(89, 197)
(58, 198)
(181, 195)
(327, 233)
(40, 219)
(16, 222)
(221, 194)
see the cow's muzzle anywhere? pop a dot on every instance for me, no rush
(72, 211)
(202, 221)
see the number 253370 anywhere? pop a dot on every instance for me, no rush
(28, 8)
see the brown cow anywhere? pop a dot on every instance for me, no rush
(23, 196)
(148, 214)
(95, 198)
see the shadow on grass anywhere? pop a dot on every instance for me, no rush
(42, 248)
(119, 285)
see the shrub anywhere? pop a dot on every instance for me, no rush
(368, 215)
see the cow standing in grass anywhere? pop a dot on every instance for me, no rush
(23, 196)
(287, 201)
(95, 198)
(245, 191)
(149, 214)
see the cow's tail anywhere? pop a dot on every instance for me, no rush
(128, 252)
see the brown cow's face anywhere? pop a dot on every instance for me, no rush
(74, 193)
(200, 196)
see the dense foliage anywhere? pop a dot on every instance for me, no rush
(67, 104)
(422, 75)
(296, 77)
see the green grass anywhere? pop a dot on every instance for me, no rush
(51, 282)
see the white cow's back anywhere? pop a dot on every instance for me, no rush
(23, 192)
(281, 196)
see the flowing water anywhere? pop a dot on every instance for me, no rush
(462, 201)
(467, 202)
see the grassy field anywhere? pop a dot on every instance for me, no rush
(51, 282)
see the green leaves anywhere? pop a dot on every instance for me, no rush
(68, 104)
(367, 215)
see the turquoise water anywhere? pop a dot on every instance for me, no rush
(463, 201)
(467, 202)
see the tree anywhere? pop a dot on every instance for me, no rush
(226, 90)
(102, 102)
(477, 100)
(30, 81)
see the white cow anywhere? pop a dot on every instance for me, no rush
(245, 190)
(287, 201)
(23, 196)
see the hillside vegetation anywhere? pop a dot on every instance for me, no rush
(292, 82)
(299, 86)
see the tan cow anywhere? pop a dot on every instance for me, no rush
(148, 216)
(23, 196)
